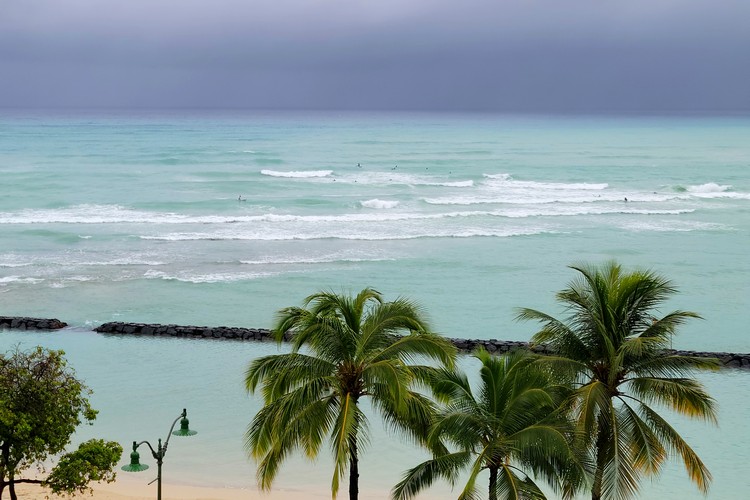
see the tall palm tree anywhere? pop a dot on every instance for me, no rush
(344, 349)
(513, 428)
(618, 349)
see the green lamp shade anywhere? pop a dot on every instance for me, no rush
(184, 429)
(135, 464)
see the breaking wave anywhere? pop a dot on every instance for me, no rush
(298, 174)
(376, 203)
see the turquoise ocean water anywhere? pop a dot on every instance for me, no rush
(136, 217)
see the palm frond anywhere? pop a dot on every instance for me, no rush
(696, 469)
(673, 365)
(278, 374)
(593, 403)
(416, 346)
(619, 475)
(684, 395)
(422, 476)
(512, 486)
(646, 449)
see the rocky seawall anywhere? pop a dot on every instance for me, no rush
(19, 323)
(729, 359)
(735, 360)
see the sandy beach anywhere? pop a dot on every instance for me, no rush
(127, 489)
(173, 492)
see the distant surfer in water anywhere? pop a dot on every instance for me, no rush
(240, 198)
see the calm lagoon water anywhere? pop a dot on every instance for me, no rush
(108, 216)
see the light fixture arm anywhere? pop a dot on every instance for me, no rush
(153, 452)
(166, 442)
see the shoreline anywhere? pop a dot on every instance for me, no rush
(130, 489)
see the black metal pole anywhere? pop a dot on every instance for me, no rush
(158, 471)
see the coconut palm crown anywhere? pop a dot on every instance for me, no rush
(618, 349)
(344, 348)
(513, 427)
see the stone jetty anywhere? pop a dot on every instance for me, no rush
(18, 323)
(734, 360)
(206, 332)
(729, 359)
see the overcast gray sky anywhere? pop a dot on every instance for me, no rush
(492, 55)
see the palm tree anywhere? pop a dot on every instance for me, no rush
(513, 428)
(617, 348)
(354, 348)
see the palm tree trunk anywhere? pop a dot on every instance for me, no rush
(493, 483)
(353, 470)
(602, 440)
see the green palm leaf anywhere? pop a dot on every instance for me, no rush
(613, 343)
(355, 347)
(510, 426)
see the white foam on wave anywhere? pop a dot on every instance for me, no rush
(297, 174)
(383, 225)
(672, 226)
(713, 190)
(94, 214)
(18, 279)
(577, 210)
(710, 187)
(227, 277)
(504, 177)
(523, 198)
(124, 261)
(358, 232)
(505, 181)
(114, 214)
(312, 260)
(502, 188)
(390, 178)
(376, 203)
(12, 260)
(80, 279)
(468, 183)
(359, 217)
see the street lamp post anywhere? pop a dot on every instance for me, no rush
(160, 451)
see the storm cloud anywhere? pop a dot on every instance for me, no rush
(504, 55)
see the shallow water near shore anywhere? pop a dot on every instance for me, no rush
(123, 217)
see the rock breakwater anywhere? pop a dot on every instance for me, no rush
(728, 359)
(734, 360)
(208, 332)
(21, 323)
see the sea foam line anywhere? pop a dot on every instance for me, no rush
(297, 174)
(507, 180)
(117, 215)
(376, 203)
(308, 260)
(334, 234)
(209, 277)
